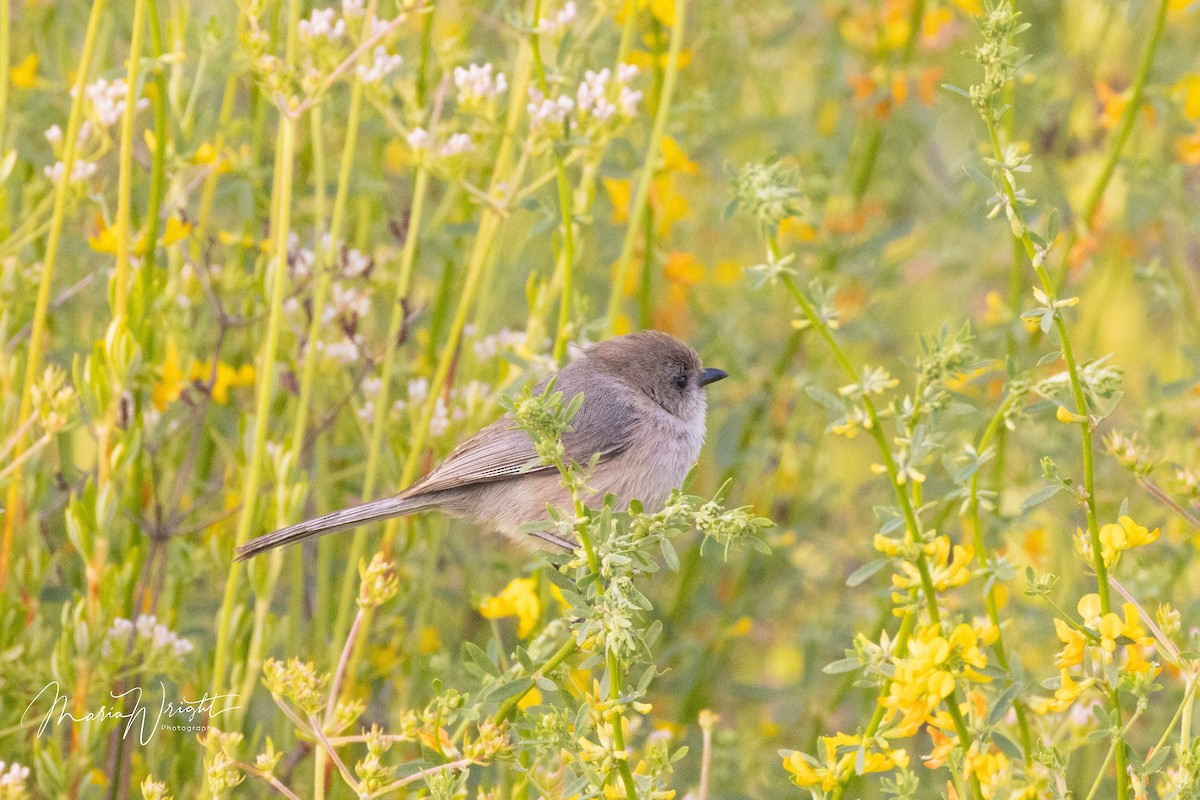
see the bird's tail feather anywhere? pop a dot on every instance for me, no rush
(374, 511)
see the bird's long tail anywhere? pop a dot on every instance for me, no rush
(374, 511)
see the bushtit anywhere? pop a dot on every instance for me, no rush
(643, 412)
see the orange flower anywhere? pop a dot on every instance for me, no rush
(1112, 104)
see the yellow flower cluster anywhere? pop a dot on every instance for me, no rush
(1108, 630)
(946, 571)
(518, 599)
(927, 675)
(1121, 536)
(826, 774)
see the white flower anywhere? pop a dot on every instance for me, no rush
(54, 135)
(352, 8)
(323, 23)
(626, 72)
(545, 111)
(345, 351)
(476, 84)
(592, 95)
(372, 385)
(439, 423)
(79, 173)
(627, 101)
(346, 301)
(418, 390)
(356, 263)
(418, 138)
(107, 99)
(383, 65)
(158, 636)
(457, 144)
(12, 779)
(565, 16)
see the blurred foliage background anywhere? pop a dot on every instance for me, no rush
(354, 256)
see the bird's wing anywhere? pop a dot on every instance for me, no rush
(500, 451)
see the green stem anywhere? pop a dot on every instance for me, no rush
(1085, 429)
(642, 193)
(265, 383)
(990, 601)
(125, 166)
(1124, 128)
(564, 200)
(912, 524)
(33, 361)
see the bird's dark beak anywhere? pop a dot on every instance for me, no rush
(712, 375)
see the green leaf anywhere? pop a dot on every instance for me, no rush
(1040, 496)
(842, 665)
(1004, 704)
(825, 397)
(866, 571)
(1007, 746)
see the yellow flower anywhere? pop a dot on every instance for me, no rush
(683, 267)
(430, 641)
(517, 599)
(741, 627)
(946, 572)
(1188, 89)
(674, 159)
(1112, 104)
(826, 774)
(1116, 538)
(227, 377)
(176, 231)
(205, 154)
(24, 74)
(991, 768)
(1067, 693)
(663, 10)
(1074, 642)
(1187, 149)
(105, 241)
(170, 382)
(619, 193)
(532, 698)
(1111, 627)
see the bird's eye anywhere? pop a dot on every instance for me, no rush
(681, 381)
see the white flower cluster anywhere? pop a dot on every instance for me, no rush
(323, 23)
(476, 84)
(12, 779)
(418, 138)
(346, 302)
(598, 97)
(352, 8)
(503, 339)
(627, 98)
(463, 401)
(148, 628)
(80, 172)
(458, 144)
(384, 64)
(108, 99)
(565, 16)
(545, 111)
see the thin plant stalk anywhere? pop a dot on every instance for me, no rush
(653, 147)
(1085, 429)
(1095, 194)
(15, 512)
(265, 379)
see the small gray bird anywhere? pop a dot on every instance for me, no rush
(643, 412)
